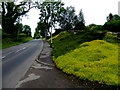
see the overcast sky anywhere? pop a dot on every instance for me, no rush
(95, 11)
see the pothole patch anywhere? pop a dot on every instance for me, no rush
(29, 78)
(40, 66)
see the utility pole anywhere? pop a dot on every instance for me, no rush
(51, 20)
(51, 32)
(119, 8)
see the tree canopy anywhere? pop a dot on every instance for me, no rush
(79, 21)
(67, 18)
(11, 12)
(113, 23)
(50, 13)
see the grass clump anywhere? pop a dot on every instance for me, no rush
(94, 61)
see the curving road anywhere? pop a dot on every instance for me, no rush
(17, 60)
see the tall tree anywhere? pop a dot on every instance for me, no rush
(67, 20)
(110, 17)
(80, 22)
(81, 17)
(76, 23)
(11, 12)
(49, 15)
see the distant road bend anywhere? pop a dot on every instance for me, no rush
(17, 60)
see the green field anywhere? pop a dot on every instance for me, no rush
(86, 58)
(9, 42)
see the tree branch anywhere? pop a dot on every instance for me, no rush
(24, 12)
(21, 4)
(3, 9)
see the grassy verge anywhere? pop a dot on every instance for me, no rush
(8, 42)
(82, 55)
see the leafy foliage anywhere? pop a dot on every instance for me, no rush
(112, 17)
(81, 17)
(113, 23)
(11, 13)
(69, 41)
(27, 30)
(95, 61)
(67, 19)
(76, 53)
(111, 38)
(23, 30)
(116, 17)
(113, 26)
(49, 15)
(52, 13)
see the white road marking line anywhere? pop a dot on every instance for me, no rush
(3, 57)
(20, 49)
(9, 53)
(13, 52)
(30, 77)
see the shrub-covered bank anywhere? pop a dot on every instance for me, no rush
(95, 61)
(85, 57)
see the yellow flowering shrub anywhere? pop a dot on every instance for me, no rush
(95, 61)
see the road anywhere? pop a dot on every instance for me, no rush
(17, 60)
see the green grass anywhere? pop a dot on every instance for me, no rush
(57, 36)
(88, 58)
(9, 42)
(69, 41)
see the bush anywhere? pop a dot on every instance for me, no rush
(94, 61)
(22, 35)
(111, 38)
(23, 39)
(113, 26)
(76, 53)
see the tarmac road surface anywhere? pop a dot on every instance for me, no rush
(16, 61)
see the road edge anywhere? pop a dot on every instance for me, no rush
(32, 63)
